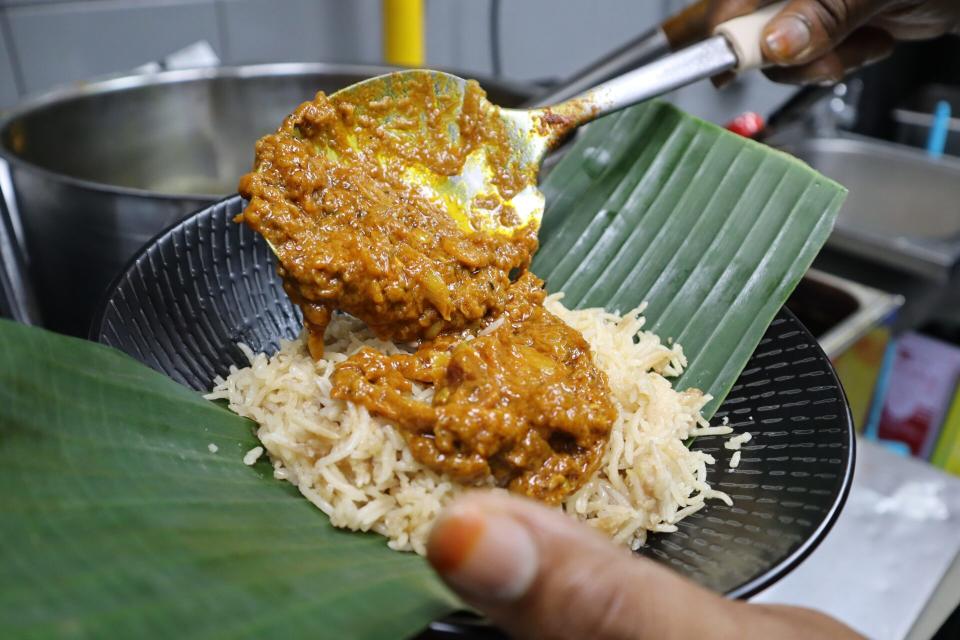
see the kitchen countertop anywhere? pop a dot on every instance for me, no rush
(940, 606)
(890, 567)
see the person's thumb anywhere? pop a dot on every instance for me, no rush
(539, 574)
(808, 29)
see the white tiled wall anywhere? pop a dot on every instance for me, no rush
(69, 41)
(548, 39)
(8, 83)
(300, 30)
(458, 35)
(539, 39)
(58, 41)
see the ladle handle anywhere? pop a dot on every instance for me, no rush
(735, 47)
(678, 31)
(744, 35)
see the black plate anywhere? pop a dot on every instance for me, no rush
(206, 284)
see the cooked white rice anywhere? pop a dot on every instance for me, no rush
(357, 468)
(735, 442)
(735, 459)
(252, 456)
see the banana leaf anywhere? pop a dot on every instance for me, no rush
(710, 230)
(118, 519)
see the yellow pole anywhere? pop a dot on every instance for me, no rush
(403, 32)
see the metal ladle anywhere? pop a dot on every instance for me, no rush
(735, 46)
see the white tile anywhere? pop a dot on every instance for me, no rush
(539, 39)
(458, 36)
(71, 41)
(8, 85)
(302, 31)
(15, 3)
(547, 39)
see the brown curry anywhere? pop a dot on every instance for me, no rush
(350, 234)
(523, 403)
(516, 394)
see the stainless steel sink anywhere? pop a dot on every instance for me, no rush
(839, 311)
(903, 209)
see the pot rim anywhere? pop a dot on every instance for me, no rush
(116, 83)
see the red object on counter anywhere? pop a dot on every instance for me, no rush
(922, 385)
(748, 125)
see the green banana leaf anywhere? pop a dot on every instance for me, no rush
(117, 520)
(712, 231)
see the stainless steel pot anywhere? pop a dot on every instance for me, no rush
(100, 168)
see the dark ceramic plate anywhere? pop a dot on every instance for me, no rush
(207, 283)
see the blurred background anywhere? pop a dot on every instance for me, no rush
(44, 43)
(119, 117)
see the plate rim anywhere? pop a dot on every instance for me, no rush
(775, 573)
(751, 587)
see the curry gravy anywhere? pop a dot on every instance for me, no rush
(516, 394)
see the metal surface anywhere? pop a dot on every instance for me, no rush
(531, 133)
(903, 209)
(17, 300)
(100, 168)
(915, 117)
(944, 602)
(890, 548)
(816, 111)
(646, 48)
(698, 62)
(839, 311)
(527, 142)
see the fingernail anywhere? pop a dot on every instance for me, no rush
(485, 556)
(788, 37)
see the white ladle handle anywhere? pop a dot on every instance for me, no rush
(744, 35)
(735, 47)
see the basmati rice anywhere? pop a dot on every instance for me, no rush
(737, 441)
(735, 459)
(252, 456)
(358, 470)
